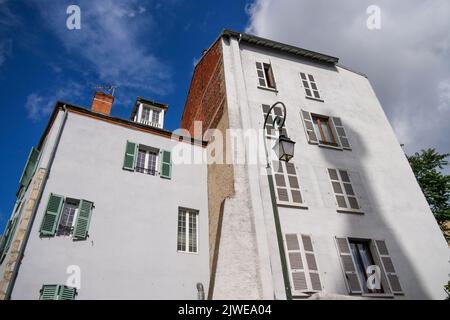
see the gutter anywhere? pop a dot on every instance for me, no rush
(38, 201)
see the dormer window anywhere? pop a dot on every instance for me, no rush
(149, 113)
(150, 116)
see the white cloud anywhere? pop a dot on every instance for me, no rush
(40, 105)
(407, 61)
(114, 41)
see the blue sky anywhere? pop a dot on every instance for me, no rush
(42, 61)
(149, 48)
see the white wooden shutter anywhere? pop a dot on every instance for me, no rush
(388, 267)
(309, 127)
(340, 131)
(343, 189)
(287, 184)
(261, 76)
(348, 266)
(297, 273)
(303, 270)
(311, 263)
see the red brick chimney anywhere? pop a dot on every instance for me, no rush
(102, 103)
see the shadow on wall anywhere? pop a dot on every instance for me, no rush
(379, 216)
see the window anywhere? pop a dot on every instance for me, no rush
(286, 184)
(323, 127)
(310, 86)
(343, 190)
(67, 221)
(265, 75)
(187, 230)
(271, 128)
(363, 259)
(155, 116)
(325, 131)
(150, 116)
(66, 216)
(146, 161)
(357, 255)
(57, 292)
(303, 270)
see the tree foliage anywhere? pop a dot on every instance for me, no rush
(427, 167)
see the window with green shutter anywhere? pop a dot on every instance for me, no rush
(166, 164)
(67, 217)
(130, 156)
(57, 292)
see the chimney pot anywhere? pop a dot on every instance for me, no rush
(102, 103)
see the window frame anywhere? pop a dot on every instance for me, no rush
(359, 262)
(74, 219)
(151, 110)
(188, 213)
(319, 130)
(267, 75)
(147, 150)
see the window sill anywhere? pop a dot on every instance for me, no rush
(378, 295)
(350, 211)
(328, 146)
(187, 252)
(291, 205)
(315, 99)
(268, 89)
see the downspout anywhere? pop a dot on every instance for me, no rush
(38, 201)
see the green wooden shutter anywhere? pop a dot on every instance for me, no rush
(30, 167)
(67, 293)
(130, 156)
(166, 164)
(83, 220)
(4, 240)
(49, 292)
(51, 215)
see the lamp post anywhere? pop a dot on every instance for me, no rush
(284, 149)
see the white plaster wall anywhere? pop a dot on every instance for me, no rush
(394, 206)
(131, 252)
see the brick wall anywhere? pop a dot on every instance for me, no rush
(206, 98)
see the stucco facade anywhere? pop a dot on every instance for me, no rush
(392, 207)
(131, 251)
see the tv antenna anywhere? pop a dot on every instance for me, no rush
(110, 89)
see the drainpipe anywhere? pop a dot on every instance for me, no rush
(38, 201)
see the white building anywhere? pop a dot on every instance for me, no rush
(102, 209)
(102, 201)
(347, 200)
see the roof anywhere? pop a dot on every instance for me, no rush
(60, 105)
(280, 46)
(148, 102)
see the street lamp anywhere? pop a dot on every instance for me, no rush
(284, 149)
